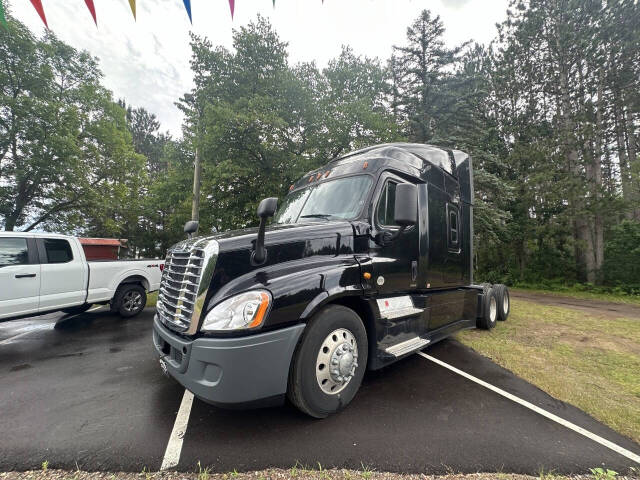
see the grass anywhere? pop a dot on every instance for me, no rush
(580, 291)
(591, 363)
(313, 474)
(152, 298)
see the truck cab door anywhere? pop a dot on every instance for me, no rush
(19, 276)
(396, 263)
(63, 282)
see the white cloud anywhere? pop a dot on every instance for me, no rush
(147, 61)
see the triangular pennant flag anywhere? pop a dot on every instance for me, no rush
(132, 4)
(232, 4)
(92, 9)
(187, 5)
(37, 4)
(3, 20)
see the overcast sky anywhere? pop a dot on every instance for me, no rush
(147, 61)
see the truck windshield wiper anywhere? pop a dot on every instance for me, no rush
(326, 216)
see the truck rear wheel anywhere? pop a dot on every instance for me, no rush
(129, 300)
(504, 301)
(329, 362)
(490, 310)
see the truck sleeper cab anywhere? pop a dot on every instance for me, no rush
(368, 259)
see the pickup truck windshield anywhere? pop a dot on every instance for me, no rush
(339, 199)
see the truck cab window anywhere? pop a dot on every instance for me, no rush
(58, 251)
(13, 251)
(453, 227)
(386, 205)
(339, 199)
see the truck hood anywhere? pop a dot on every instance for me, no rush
(280, 234)
(288, 250)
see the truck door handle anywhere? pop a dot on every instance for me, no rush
(414, 270)
(26, 275)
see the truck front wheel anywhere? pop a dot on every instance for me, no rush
(329, 363)
(129, 300)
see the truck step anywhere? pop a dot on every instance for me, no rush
(397, 307)
(407, 346)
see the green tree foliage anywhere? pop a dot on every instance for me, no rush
(622, 256)
(66, 158)
(549, 112)
(260, 123)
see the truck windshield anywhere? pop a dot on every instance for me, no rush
(339, 199)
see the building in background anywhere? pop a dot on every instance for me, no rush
(103, 248)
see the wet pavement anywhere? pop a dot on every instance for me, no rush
(87, 392)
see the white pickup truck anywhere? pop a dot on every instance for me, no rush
(42, 272)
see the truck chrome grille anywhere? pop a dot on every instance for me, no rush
(187, 273)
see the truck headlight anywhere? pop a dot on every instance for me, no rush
(243, 311)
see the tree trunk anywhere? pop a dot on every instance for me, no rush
(634, 170)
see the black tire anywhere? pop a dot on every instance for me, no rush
(504, 301)
(77, 309)
(490, 311)
(129, 300)
(304, 389)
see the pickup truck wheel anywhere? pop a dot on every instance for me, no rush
(504, 302)
(329, 362)
(490, 314)
(130, 300)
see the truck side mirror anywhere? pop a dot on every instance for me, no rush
(191, 227)
(406, 209)
(405, 212)
(267, 208)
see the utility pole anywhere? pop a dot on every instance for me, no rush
(195, 205)
(197, 170)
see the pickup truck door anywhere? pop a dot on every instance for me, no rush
(63, 282)
(19, 276)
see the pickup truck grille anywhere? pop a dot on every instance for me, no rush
(185, 279)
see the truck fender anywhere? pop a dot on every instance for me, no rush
(335, 295)
(313, 305)
(141, 274)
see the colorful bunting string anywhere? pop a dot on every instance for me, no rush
(92, 9)
(187, 5)
(132, 4)
(37, 4)
(3, 20)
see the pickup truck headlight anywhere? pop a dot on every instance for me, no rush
(244, 311)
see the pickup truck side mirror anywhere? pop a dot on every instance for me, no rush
(406, 209)
(266, 208)
(191, 227)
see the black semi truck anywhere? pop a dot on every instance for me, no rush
(367, 260)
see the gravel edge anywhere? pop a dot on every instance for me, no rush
(278, 474)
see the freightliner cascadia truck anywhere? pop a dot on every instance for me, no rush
(367, 260)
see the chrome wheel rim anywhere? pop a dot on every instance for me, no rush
(493, 309)
(505, 303)
(337, 361)
(132, 300)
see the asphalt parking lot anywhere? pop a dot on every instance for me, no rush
(87, 392)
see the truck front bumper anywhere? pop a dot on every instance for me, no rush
(239, 371)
